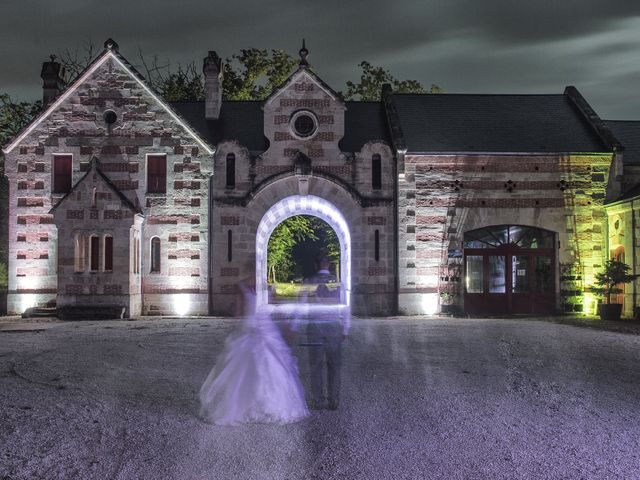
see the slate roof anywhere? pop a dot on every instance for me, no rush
(244, 121)
(363, 122)
(239, 120)
(494, 123)
(628, 134)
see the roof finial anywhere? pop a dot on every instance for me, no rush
(303, 55)
(110, 44)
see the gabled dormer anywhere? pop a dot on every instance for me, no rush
(304, 114)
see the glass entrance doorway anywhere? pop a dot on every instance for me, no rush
(509, 269)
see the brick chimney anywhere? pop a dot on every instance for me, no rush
(52, 82)
(212, 69)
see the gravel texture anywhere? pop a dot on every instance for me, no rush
(421, 398)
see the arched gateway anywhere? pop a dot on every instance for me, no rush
(303, 205)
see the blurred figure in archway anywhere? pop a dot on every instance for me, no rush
(327, 327)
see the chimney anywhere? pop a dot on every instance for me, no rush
(212, 69)
(52, 82)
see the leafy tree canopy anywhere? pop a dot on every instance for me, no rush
(373, 78)
(14, 115)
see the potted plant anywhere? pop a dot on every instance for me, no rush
(446, 301)
(613, 274)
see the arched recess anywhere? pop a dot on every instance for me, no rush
(303, 205)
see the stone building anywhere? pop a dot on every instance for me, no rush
(474, 203)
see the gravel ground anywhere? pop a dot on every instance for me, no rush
(421, 398)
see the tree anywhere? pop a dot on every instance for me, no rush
(373, 78)
(280, 246)
(607, 281)
(14, 116)
(253, 73)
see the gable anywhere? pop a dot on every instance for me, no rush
(301, 77)
(80, 194)
(92, 89)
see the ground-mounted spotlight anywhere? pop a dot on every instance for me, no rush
(181, 304)
(429, 303)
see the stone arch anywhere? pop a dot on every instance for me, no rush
(303, 205)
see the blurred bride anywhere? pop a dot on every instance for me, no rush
(255, 379)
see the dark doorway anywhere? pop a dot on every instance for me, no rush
(509, 269)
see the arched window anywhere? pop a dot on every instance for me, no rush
(108, 253)
(155, 255)
(79, 255)
(231, 171)
(229, 247)
(376, 172)
(94, 253)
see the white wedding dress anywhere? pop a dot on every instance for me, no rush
(255, 379)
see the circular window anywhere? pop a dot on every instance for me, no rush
(109, 117)
(304, 124)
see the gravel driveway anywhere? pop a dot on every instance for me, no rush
(421, 398)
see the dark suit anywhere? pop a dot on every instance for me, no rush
(325, 330)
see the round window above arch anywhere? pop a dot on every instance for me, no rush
(304, 124)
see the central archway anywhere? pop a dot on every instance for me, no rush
(303, 205)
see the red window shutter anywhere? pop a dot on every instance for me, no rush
(95, 254)
(108, 253)
(62, 173)
(156, 174)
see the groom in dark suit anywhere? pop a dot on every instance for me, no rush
(326, 329)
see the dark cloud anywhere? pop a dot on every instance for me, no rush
(488, 46)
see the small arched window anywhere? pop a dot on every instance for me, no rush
(155, 255)
(135, 254)
(231, 171)
(376, 172)
(94, 252)
(108, 253)
(79, 255)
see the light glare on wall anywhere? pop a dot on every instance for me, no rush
(589, 304)
(27, 301)
(429, 303)
(181, 304)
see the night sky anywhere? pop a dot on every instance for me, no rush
(465, 46)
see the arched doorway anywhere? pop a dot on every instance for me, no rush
(303, 205)
(510, 269)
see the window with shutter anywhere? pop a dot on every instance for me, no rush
(156, 174)
(62, 173)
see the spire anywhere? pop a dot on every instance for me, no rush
(303, 55)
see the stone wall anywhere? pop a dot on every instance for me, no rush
(143, 127)
(442, 197)
(342, 178)
(94, 209)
